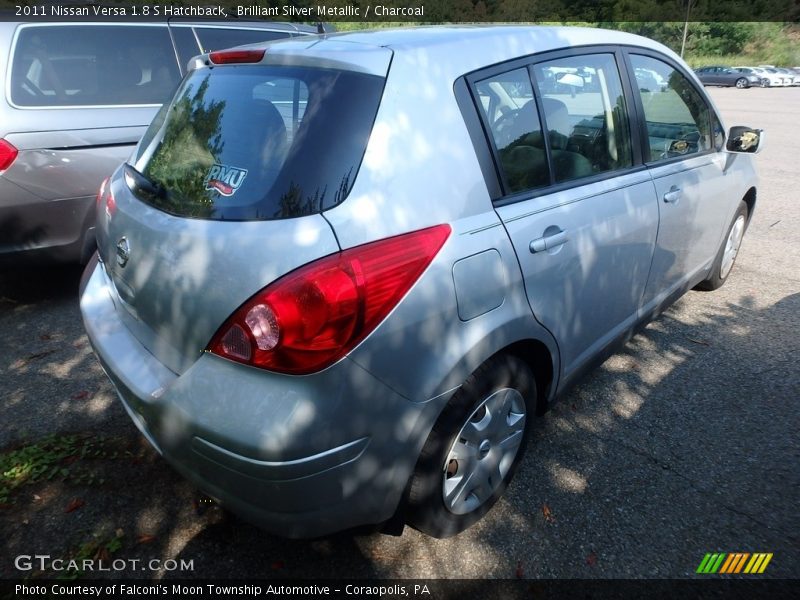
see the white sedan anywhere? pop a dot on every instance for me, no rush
(790, 75)
(768, 79)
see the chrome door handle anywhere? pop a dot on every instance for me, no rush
(548, 242)
(673, 195)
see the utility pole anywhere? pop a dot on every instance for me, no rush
(686, 24)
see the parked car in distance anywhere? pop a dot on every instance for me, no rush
(727, 77)
(344, 299)
(77, 97)
(767, 79)
(789, 75)
(786, 80)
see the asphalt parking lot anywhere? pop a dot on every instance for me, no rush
(684, 442)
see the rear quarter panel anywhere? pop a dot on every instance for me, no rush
(419, 170)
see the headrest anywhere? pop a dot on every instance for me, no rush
(556, 115)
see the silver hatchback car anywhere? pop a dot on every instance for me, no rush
(340, 276)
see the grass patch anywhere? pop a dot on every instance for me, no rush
(55, 457)
(99, 548)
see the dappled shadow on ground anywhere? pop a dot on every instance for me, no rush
(49, 378)
(679, 444)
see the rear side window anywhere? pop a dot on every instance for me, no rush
(678, 119)
(513, 121)
(96, 65)
(585, 115)
(259, 142)
(215, 38)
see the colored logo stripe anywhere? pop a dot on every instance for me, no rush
(734, 562)
(758, 563)
(711, 563)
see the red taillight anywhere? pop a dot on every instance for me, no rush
(8, 154)
(227, 57)
(310, 318)
(104, 196)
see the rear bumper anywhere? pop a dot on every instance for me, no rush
(298, 456)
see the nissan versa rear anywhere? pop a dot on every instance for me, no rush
(340, 277)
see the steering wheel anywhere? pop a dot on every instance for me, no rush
(505, 127)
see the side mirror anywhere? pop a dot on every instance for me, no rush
(745, 139)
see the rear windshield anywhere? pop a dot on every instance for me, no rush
(251, 142)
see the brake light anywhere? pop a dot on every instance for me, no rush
(104, 196)
(8, 154)
(226, 57)
(313, 316)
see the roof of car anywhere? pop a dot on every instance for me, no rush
(496, 37)
(458, 49)
(182, 21)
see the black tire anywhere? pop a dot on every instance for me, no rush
(716, 278)
(426, 508)
(742, 83)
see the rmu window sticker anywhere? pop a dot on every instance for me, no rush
(224, 179)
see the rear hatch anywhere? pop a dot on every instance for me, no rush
(225, 191)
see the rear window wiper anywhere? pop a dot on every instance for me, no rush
(142, 186)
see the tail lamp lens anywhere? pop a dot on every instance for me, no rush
(313, 316)
(8, 154)
(105, 198)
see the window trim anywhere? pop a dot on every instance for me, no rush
(175, 51)
(643, 136)
(495, 181)
(548, 151)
